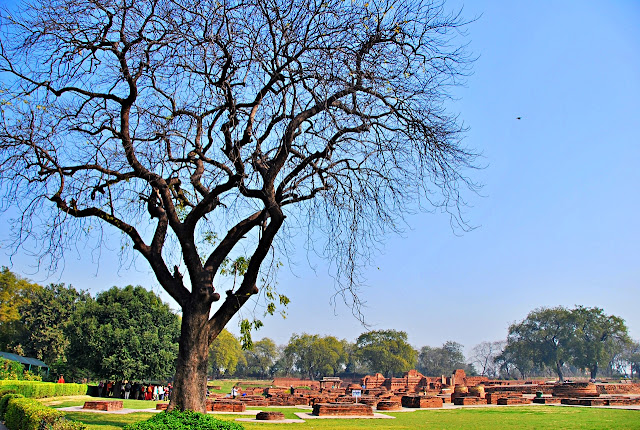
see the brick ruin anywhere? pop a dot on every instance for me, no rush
(104, 405)
(414, 390)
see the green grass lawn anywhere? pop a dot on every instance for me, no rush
(520, 417)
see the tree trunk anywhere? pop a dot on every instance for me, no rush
(594, 371)
(559, 371)
(190, 383)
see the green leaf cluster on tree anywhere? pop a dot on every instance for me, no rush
(584, 337)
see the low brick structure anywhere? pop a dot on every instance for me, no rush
(585, 401)
(492, 398)
(421, 402)
(389, 405)
(514, 400)
(601, 401)
(369, 401)
(104, 405)
(269, 416)
(575, 389)
(547, 400)
(626, 388)
(469, 401)
(623, 401)
(341, 409)
(226, 406)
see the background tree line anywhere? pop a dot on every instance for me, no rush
(128, 333)
(121, 333)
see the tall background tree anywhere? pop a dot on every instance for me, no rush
(15, 292)
(484, 357)
(386, 351)
(125, 333)
(46, 322)
(441, 361)
(175, 122)
(225, 355)
(261, 358)
(545, 337)
(315, 356)
(597, 338)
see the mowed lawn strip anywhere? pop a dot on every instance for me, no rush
(520, 417)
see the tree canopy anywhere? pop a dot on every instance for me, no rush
(260, 359)
(584, 337)
(433, 361)
(194, 128)
(386, 351)
(316, 356)
(15, 292)
(125, 333)
(46, 323)
(225, 354)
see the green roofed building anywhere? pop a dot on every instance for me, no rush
(27, 361)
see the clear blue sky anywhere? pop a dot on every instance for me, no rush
(557, 222)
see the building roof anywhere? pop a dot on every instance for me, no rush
(24, 360)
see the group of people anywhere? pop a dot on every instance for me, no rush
(135, 390)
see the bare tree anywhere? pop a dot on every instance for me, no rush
(484, 356)
(195, 127)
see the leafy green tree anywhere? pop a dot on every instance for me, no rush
(46, 321)
(597, 337)
(544, 337)
(386, 351)
(441, 361)
(15, 292)
(225, 355)
(126, 333)
(316, 356)
(260, 359)
(516, 355)
(284, 365)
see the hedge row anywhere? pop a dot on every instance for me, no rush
(22, 413)
(38, 390)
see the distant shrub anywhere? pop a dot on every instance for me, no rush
(183, 420)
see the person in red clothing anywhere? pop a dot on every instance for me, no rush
(61, 379)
